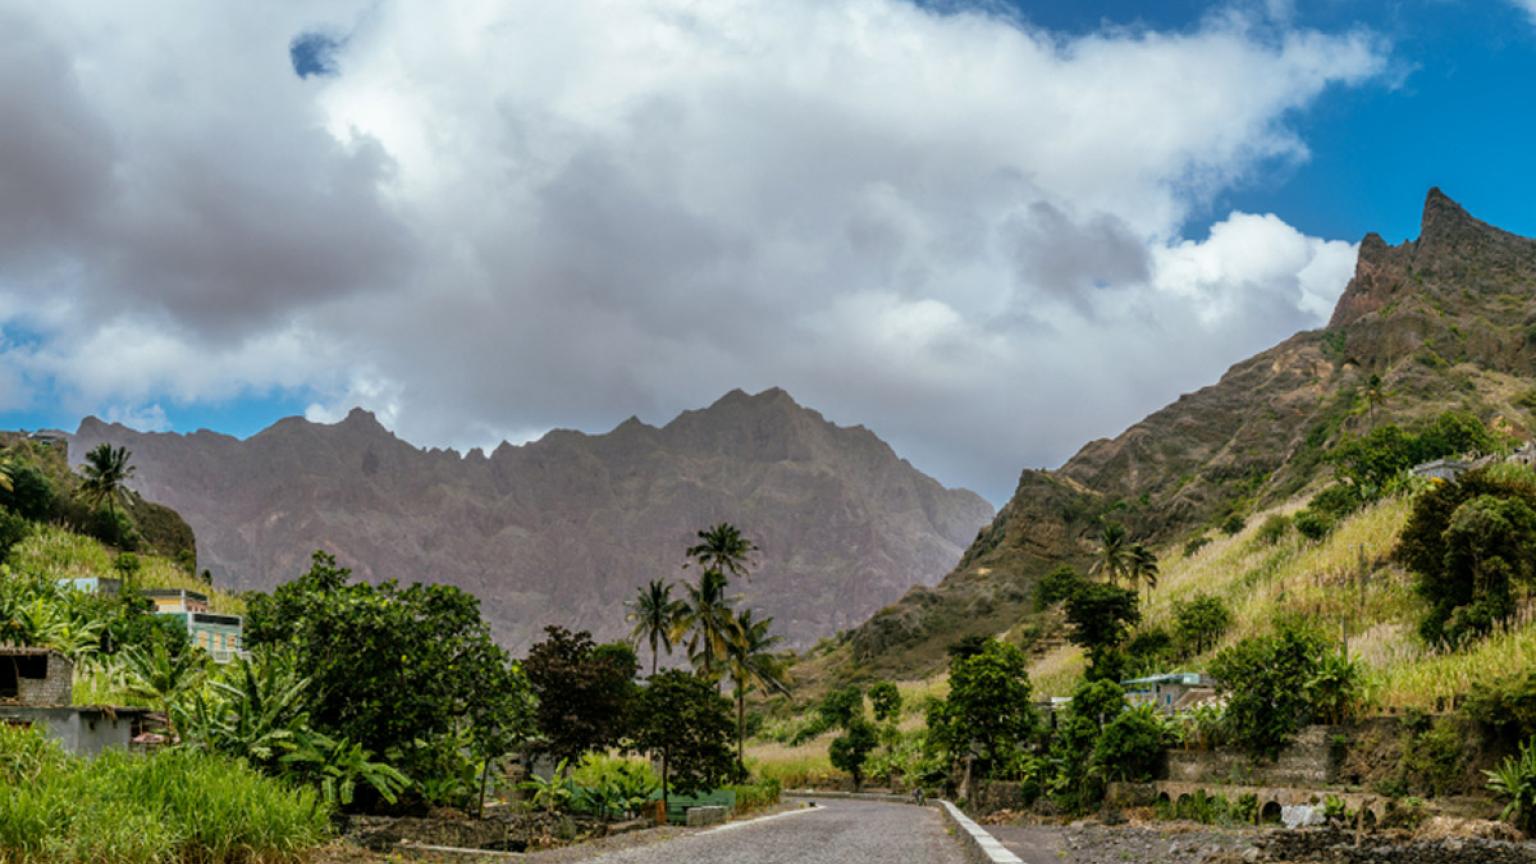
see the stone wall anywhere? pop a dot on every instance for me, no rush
(55, 688)
(1308, 761)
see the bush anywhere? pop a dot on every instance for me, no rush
(1515, 782)
(1233, 524)
(1313, 524)
(1199, 623)
(1195, 544)
(1275, 684)
(31, 495)
(756, 796)
(113, 528)
(13, 530)
(172, 806)
(1131, 746)
(1056, 586)
(1273, 530)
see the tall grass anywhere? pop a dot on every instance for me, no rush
(60, 554)
(173, 807)
(799, 767)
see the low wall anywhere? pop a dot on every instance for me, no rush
(980, 847)
(1308, 761)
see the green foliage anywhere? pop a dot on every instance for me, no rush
(175, 806)
(1130, 747)
(1233, 524)
(31, 495)
(1057, 585)
(1275, 684)
(756, 796)
(1101, 616)
(1314, 524)
(1273, 530)
(655, 616)
(1505, 708)
(840, 706)
(1195, 544)
(988, 710)
(1434, 757)
(114, 528)
(584, 692)
(850, 750)
(395, 671)
(1199, 623)
(683, 721)
(1515, 782)
(1076, 780)
(107, 470)
(1471, 543)
(885, 699)
(13, 530)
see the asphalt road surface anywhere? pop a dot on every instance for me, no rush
(833, 832)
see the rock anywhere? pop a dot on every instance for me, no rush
(565, 528)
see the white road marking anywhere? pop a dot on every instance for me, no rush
(731, 825)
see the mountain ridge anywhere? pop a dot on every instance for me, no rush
(564, 528)
(1447, 320)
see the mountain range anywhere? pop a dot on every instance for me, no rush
(563, 530)
(1445, 321)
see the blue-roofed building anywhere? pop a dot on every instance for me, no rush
(1171, 692)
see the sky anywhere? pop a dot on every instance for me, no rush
(988, 231)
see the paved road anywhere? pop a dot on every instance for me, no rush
(834, 832)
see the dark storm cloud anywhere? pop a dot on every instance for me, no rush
(500, 218)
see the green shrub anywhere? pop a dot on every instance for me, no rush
(1313, 524)
(1275, 684)
(1131, 746)
(13, 530)
(1233, 524)
(1195, 544)
(1515, 782)
(1273, 530)
(31, 495)
(1056, 586)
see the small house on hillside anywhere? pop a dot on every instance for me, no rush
(220, 635)
(1172, 692)
(37, 689)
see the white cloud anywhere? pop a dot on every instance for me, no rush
(1529, 6)
(504, 217)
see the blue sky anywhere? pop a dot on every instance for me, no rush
(483, 228)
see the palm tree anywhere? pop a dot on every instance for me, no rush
(106, 475)
(1375, 395)
(752, 664)
(1142, 568)
(1114, 552)
(707, 620)
(722, 548)
(655, 616)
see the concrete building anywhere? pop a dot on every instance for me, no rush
(1442, 469)
(37, 689)
(1172, 692)
(93, 585)
(220, 635)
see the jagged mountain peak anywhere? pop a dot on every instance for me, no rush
(562, 530)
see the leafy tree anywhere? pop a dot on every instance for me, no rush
(1195, 544)
(1056, 586)
(1074, 783)
(106, 470)
(1199, 622)
(723, 549)
(840, 706)
(160, 676)
(1471, 543)
(1142, 567)
(686, 724)
(1268, 681)
(30, 494)
(1101, 616)
(396, 671)
(988, 710)
(655, 615)
(886, 700)
(850, 750)
(1131, 745)
(585, 692)
(752, 664)
(966, 646)
(1114, 556)
(1313, 524)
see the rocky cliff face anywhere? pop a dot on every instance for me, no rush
(564, 529)
(1447, 321)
